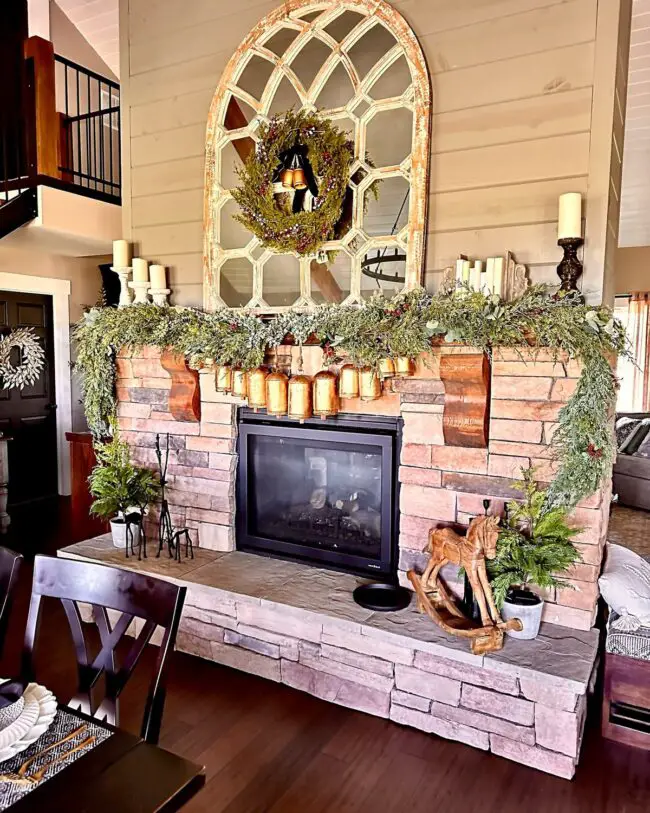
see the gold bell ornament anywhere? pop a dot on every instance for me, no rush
(386, 368)
(257, 388)
(369, 384)
(276, 393)
(326, 401)
(349, 381)
(239, 383)
(300, 400)
(224, 378)
(404, 367)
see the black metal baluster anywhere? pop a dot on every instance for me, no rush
(78, 175)
(101, 138)
(88, 153)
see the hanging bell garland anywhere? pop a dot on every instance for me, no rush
(257, 388)
(277, 393)
(348, 381)
(224, 378)
(300, 398)
(404, 367)
(326, 401)
(239, 383)
(369, 384)
(386, 368)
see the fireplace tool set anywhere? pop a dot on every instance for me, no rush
(169, 536)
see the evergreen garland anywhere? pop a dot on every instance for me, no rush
(406, 325)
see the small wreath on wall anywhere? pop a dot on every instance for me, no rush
(32, 358)
(297, 142)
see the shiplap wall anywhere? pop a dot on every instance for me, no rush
(513, 85)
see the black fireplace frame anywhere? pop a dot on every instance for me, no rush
(381, 431)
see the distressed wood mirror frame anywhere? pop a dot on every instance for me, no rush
(228, 127)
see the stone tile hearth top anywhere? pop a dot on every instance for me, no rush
(300, 589)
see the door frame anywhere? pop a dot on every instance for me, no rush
(59, 290)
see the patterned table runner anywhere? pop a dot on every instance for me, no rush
(64, 724)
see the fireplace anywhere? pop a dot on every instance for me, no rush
(321, 491)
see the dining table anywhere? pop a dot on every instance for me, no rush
(121, 773)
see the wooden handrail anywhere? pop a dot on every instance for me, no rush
(46, 118)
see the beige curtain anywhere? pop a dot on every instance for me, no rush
(634, 395)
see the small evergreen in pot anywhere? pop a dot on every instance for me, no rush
(120, 488)
(534, 548)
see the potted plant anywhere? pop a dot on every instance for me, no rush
(534, 548)
(121, 490)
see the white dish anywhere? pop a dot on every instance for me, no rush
(36, 717)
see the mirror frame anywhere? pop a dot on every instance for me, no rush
(418, 99)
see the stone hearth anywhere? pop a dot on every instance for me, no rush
(298, 625)
(438, 482)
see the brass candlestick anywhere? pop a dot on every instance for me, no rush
(570, 269)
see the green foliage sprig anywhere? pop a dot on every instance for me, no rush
(403, 326)
(117, 484)
(535, 547)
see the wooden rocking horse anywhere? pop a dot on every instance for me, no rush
(469, 552)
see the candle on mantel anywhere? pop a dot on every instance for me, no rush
(489, 275)
(570, 216)
(499, 263)
(140, 270)
(466, 272)
(158, 277)
(459, 270)
(475, 276)
(121, 254)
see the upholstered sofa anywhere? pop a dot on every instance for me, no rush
(632, 467)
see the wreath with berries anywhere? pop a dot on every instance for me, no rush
(270, 216)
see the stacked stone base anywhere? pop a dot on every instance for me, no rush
(526, 703)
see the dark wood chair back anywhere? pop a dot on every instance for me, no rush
(135, 597)
(10, 563)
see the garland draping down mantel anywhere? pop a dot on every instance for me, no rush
(404, 326)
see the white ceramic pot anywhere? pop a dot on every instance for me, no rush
(118, 532)
(530, 616)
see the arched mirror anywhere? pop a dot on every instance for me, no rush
(358, 64)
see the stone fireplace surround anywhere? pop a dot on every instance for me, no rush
(297, 624)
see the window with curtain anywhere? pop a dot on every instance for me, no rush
(634, 375)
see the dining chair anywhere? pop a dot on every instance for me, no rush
(10, 564)
(137, 597)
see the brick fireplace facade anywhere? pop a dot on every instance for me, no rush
(437, 482)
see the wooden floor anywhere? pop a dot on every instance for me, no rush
(270, 749)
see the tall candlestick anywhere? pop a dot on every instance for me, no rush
(121, 254)
(570, 216)
(140, 270)
(158, 276)
(499, 264)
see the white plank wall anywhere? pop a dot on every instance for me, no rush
(513, 90)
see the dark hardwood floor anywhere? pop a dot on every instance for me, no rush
(269, 749)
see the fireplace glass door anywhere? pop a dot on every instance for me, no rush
(315, 493)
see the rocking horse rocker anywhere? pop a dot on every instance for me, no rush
(469, 552)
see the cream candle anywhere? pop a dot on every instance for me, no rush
(140, 270)
(489, 274)
(570, 216)
(459, 270)
(158, 277)
(475, 276)
(499, 264)
(466, 271)
(121, 254)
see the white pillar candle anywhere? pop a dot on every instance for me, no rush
(499, 264)
(570, 216)
(140, 270)
(459, 271)
(158, 277)
(466, 271)
(121, 254)
(489, 275)
(475, 276)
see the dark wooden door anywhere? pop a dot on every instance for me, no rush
(28, 416)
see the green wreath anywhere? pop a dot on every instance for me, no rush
(269, 217)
